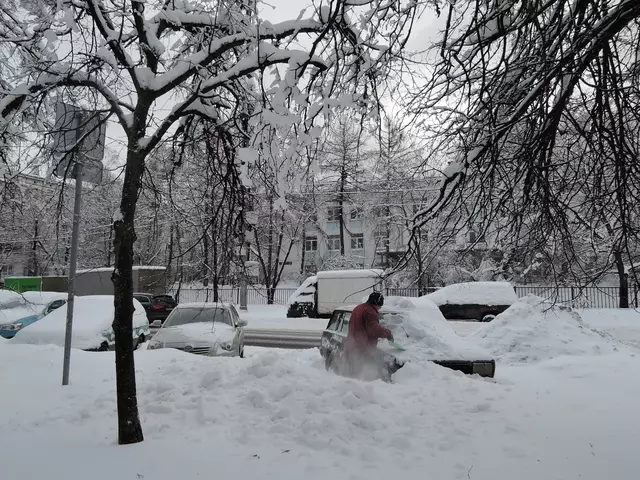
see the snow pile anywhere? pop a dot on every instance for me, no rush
(92, 317)
(479, 293)
(425, 333)
(532, 330)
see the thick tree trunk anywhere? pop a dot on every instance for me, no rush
(623, 279)
(129, 428)
(271, 294)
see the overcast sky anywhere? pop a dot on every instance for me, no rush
(425, 31)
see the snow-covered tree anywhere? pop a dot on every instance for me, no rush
(524, 94)
(124, 59)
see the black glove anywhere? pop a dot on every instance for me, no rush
(390, 338)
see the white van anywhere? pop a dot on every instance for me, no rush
(321, 294)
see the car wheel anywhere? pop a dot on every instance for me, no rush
(331, 365)
(139, 341)
(488, 318)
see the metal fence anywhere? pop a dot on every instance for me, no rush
(255, 295)
(579, 297)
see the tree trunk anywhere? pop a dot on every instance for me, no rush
(623, 279)
(129, 428)
(215, 277)
(420, 262)
(271, 293)
(343, 179)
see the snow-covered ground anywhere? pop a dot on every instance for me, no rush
(274, 317)
(279, 414)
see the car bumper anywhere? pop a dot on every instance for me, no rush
(484, 368)
(8, 333)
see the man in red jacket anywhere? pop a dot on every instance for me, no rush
(362, 356)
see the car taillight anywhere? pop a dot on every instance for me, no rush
(157, 307)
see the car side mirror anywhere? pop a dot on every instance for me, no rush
(242, 323)
(156, 323)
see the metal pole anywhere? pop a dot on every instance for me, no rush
(72, 272)
(244, 280)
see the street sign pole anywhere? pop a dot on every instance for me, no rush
(72, 271)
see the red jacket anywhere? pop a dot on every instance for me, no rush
(364, 331)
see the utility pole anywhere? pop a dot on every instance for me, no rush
(77, 169)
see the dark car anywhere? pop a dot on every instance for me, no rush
(144, 299)
(475, 301)
(440, 347)
(158, 307)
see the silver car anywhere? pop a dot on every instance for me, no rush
(213, 329)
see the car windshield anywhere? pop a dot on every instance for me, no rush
(392, 319)
(183, 316)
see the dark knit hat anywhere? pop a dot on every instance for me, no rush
(376, 298)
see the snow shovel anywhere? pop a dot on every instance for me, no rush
(397, 346)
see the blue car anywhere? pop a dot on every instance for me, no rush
(21, 310)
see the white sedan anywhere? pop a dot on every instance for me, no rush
(213, 329)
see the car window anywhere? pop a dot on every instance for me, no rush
(55, 304)
(142, 298)
(335, 320)
(183, 316)
(344, 326)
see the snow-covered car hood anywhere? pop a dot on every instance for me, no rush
(425, 334)
(15, 314)
(206, 333)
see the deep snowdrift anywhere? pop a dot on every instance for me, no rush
(532, 330)
(280, 415)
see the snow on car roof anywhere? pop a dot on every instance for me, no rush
(480, 293)
(204, 305)
(42, 298)
(374, 273)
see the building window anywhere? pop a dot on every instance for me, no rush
(6, 270)
(333, 214)
(381, 212)
(357, 242)
(310, 244)
(381, 237)
(356, 213)
(333, 242)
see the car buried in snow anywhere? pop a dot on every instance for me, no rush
(27, 308)
(475, 301)
(212, 329)
(422, 331)
(92, 331)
